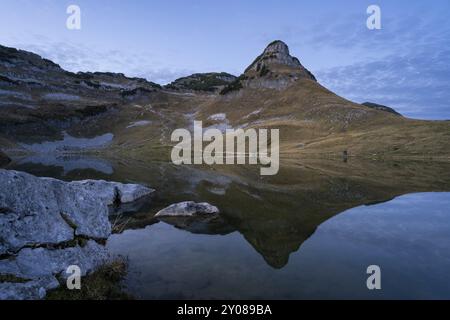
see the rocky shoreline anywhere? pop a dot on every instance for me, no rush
(47, 225)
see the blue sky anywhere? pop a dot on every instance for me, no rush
(405, 65)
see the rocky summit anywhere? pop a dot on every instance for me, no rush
(275, 68)
(4, 159)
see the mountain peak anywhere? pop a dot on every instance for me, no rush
(207, 82)
(275, 68)
(277, 60)
(278, 51)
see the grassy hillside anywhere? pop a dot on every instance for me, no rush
(40, 101)
(315, 122)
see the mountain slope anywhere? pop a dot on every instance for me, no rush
(39, 101)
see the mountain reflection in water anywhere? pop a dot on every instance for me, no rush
(308, 232)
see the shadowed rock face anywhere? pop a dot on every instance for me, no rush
(112, 192)
(38, 267)
(47, 225)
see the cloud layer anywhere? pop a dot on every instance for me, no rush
(406, 65)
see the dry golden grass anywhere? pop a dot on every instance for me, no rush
(315, 122)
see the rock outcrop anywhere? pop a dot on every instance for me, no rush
(112, 192)
(47, 225)
(36, 270)
(188, 209)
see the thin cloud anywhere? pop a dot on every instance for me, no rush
(79, 57)
(417, 86)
